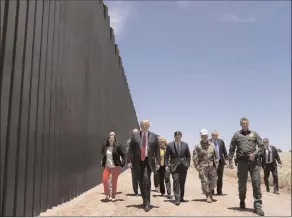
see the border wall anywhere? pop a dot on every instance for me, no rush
(63, 89)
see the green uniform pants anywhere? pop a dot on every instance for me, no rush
(243, 168)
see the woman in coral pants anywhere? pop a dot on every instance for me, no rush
(113, 158)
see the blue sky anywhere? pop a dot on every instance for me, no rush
(194, 64)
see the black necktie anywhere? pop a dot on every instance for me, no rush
(269, 155)
(178, 149)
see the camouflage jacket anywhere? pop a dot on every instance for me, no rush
(205, 155)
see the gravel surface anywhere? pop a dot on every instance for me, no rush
(90, 203)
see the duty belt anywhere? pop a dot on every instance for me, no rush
(244, 158)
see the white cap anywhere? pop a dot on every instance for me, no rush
(204, 132)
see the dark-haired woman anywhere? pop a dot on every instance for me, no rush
(113, 158)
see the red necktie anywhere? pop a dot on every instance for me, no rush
(143, 149)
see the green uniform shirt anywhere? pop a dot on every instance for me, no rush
(245, 144)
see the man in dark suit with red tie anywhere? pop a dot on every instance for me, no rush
(222, 157)
(143, 155)
(269, 161)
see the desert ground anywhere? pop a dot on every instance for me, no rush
(90, 203)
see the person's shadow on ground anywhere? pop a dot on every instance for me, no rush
(158, 195)
(141, 206)
(105, 201)
(132, 195)
(173, 201)
(202, 200)
(118, 193)
(240, 209)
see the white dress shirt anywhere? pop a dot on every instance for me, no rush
(269, 155)
(178, 147)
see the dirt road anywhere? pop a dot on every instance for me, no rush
(90, 204)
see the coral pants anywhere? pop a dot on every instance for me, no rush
(115, 172)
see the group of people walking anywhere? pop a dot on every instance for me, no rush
(149, 153)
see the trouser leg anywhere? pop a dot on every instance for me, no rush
(254, 171)
(182, 181)
(161, 173)
(115, 175)
(135, 181)
(167, 182)
(212, 178)
(105, 176)
(242, 174)
(145, 182)
(203, 175)
(220, 172)
(275, 178)
(156, 180)
(176, 185)
(266, 177)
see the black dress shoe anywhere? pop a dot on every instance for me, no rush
(219, 193)
(242, 204)
(183, 200)
(177, 203)
(147, 208)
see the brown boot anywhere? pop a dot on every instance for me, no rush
(208, 199)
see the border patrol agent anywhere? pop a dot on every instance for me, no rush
(245, 142)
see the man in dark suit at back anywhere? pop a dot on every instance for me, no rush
(269, 161)
(135, 175)
(143, 155)
(177, 161)
(222, 157)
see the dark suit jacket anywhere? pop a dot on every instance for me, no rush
(275, 157)
(118, 153)
(222, 150)
(134, 153)
(176, 159)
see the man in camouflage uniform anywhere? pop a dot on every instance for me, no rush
(205, 159)
(245, 142)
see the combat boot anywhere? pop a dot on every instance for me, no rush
(242, 204)
(276, 191)
(259, 212)
(211, 196)
(208, 199)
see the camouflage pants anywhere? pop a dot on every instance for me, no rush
(208, 177)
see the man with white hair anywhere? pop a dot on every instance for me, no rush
(205, 159)
(222, 157)
(144, 157)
